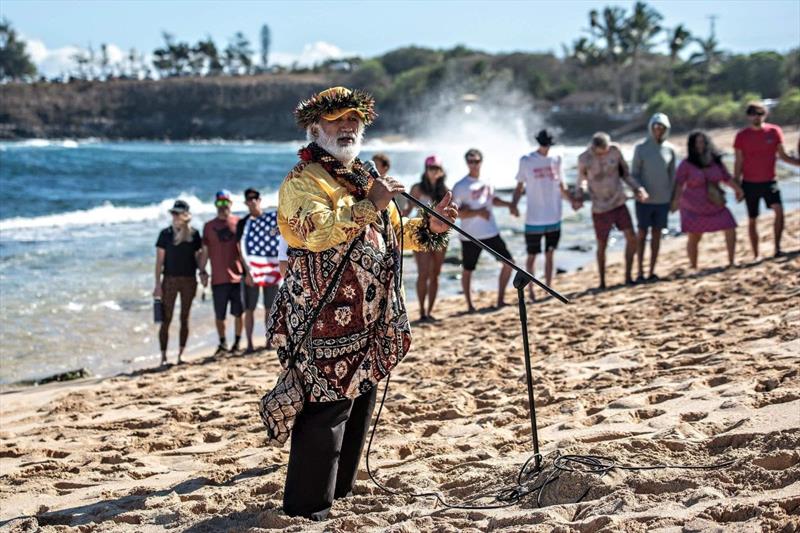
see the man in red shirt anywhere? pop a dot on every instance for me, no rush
(757, 148)
(219, 245)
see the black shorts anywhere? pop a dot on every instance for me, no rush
(471, 251)
(251, 296)
(534, 241)
(224, 293)
(754, 192)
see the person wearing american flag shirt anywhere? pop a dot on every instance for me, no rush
(259, 244)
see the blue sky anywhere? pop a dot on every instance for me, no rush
(310, 31)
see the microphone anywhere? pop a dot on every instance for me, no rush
(370, 167)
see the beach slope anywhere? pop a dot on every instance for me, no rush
(696, 369)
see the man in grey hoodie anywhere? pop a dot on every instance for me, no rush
(654, 169)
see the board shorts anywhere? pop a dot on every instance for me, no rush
(224, 293)
(754, 192)
(604, 222)
(533, 241)
(471, 251)
(652, 215)
(250, 295)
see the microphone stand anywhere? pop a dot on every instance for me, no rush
(521, 280)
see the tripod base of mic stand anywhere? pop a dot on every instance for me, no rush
(520, 282)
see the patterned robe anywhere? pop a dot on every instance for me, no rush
(362, 332)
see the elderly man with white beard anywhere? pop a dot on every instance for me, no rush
(340, 316)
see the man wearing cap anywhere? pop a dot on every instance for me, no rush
(653, 168)
(475, 198)
(336, 216)
(259, 243)
(541, 177)
(177, 253)
(219, 244)
(757, 148)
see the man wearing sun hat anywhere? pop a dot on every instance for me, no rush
(219, 245)
(336, 216)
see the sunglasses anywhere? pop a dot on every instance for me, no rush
(433, 167)
(222, 203)
(756, 113)
(251, 198)
(474, 161)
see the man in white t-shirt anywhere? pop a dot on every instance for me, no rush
(541, 176)
(475, 198)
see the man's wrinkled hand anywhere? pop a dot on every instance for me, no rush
(447, 210)
(383, 190)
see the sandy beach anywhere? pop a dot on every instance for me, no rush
(696, 369)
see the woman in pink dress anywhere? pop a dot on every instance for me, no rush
(698, 213)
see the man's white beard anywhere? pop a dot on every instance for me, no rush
(345, 154)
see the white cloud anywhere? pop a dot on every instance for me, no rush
(312, 54)
(57, 61)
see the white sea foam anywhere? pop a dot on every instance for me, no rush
(108, 304)
(108, 214)
(45, 143)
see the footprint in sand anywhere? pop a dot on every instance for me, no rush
(662, 397)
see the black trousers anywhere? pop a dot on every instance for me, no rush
(327, 441)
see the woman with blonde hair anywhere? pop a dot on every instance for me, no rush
(177, 253)
(430, 190)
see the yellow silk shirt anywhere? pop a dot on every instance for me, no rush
(316, 213)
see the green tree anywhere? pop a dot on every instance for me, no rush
(239, 55)
(410, 57)
(709, 57)
(788, 109)
(205, 58)
(15, 63)
(678, 39)
(760, 72)
(610, 29)
(265, 41)
(791, 68)
(638, 33)
(174, 59)
(371, 76)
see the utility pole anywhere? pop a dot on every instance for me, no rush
(713, 19)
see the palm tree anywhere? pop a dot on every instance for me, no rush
(584, 52)
(709, 56)
(610, 29)
(678, 39)
(639, 30)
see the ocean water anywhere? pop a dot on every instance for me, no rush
(79, 220)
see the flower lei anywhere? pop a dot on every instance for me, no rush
(357, 180)
(429, 240)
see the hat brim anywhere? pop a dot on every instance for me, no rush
(342, 112)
